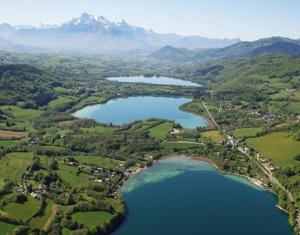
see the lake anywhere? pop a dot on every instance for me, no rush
(179, 196)
(154, 80)
(125, 110)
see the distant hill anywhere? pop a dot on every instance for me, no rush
(280, 47)
(267, 45)
(249, 73)
(90, 34)
(169, 53)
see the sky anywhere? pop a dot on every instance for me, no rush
(246, 19)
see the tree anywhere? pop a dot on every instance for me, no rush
(21, 198)
(53, 164)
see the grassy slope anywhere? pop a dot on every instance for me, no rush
(92, 218)
(213, 135)
(39, 222)
(68, 174)
(98, 161)
(6, 229)
(13, 165)
(22, 211)
(161, 131)
(277, 146)
(246, 132)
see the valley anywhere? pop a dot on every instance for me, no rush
(110, 128)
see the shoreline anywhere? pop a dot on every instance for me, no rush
(120, 189)
(253, 181)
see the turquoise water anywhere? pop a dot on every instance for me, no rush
(179, 196)
(154, 80)
(126, 110)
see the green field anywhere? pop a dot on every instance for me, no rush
(6, 229)
(39, 221)
(213, 135)
(92, 218)
(180, 145)
(294, 107)
(98, 161)
(59, 102)
(247, 132)
(277, 146)
(13, 165)
(23, 117)
(99, 129)
(9, 143)
(68, 174)
(89, 101)
(22, 114)
(161, 131)
(22, 211)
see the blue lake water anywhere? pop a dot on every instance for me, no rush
(126, 110)
(179, 196)
(154, 80)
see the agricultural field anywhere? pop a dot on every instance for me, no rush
(21, 113)
(13, 165)
(180, 145)
(99, 161)
(213, 135)
(40, 221)
(70, 176)
(12, 134)
(161, 131)
(294, 107)
(99, 129)
(280, 147)
(22, 211)
(22, 117)
(247, 132)
(92, 219)
(6, 228)
(9, 143)
(59, 102)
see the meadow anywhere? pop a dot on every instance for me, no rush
(22, 211)
(13, 165)
(6, 228)
(91, 219)
(161, 131)
(40, 221)
(213, 135)
(98, 161)
(247, 132)
(280, 147)
(70, 176)
(180, 145)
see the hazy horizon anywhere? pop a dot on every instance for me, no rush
(249, 20)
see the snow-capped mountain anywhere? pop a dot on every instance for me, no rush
(91, 34)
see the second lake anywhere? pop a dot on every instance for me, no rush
(125, 110)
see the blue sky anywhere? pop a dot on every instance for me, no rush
(247, 19)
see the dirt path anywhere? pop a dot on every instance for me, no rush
(51, 218)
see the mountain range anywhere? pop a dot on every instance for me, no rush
(90, 34)
(279, 45)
